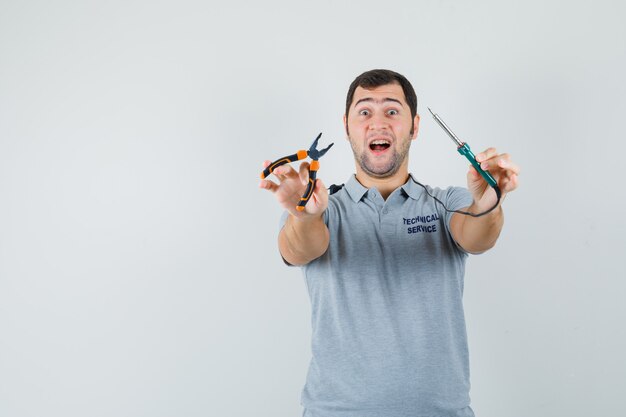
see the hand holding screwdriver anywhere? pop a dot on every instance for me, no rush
(502, 174)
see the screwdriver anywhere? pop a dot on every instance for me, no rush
(464, 150)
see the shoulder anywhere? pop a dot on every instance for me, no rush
(341, 205)
(333, 189)
(336, 201)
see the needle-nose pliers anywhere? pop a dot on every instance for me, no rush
(312, 153)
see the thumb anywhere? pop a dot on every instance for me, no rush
(472, 174)
(320, 193)
(474, 180)
(319, 185)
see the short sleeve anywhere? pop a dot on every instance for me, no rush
(456, 198)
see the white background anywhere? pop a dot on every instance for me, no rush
(139, 274)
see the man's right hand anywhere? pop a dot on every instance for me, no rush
(305, 236)
(291, 188)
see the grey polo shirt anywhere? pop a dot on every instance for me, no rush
(389, 334)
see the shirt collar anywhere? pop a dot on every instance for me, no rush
(356, 190)
(412, 188)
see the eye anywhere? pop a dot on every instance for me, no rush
(392, 112)
(364, 112)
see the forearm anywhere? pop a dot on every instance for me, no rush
(481, 233)
(478, 234)
(303, 239)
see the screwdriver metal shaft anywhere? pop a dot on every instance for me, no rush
(446, 128)
(465, 150)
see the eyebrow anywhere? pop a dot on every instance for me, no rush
(377, 101)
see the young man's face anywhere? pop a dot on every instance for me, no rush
(379, 126)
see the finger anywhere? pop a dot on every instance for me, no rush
(475, 180)
(285, 171)
(320, 188)
(266, 163)
(500, 161)
(510, 167)
(268, 185)
(304, 173)
(280, 172)
(510, 184)
(486, 154)
(472, 172)
(320, 193)
(495, 159)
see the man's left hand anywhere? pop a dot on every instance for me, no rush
(503, 170)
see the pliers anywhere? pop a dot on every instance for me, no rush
(312, 153)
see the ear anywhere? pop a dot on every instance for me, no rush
(345, 126)
(416, 126)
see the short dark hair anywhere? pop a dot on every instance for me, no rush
(377, 77)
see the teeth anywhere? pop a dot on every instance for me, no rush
(380, 142)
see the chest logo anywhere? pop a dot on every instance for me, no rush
(421, 224)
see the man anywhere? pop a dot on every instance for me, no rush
(384, 265)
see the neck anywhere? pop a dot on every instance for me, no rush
(385, 185)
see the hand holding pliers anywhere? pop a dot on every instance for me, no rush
(312, 153)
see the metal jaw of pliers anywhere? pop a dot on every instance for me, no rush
(312, 153)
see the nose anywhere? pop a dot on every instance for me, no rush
(378, 122)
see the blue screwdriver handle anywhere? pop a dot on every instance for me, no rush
(467, 152)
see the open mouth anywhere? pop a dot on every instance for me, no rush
(379, 145)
